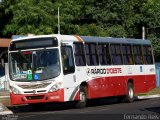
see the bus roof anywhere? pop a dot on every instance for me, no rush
(75, 38)
(115, 40)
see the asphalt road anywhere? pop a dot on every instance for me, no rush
(96, 110)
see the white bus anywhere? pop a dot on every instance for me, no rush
(61, 68)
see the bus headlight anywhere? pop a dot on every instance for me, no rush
(15, 90)
(55, 87)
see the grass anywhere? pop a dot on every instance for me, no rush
(152, 92)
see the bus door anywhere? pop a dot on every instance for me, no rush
(68, 72)
(80, 62)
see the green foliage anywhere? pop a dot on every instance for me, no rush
(156, 46)
(116, 31)
(30, 19)
(92, 30)
(122, 18)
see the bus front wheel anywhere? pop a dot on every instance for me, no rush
(82, 98)
(130, 93)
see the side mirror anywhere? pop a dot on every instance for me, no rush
(2, 62)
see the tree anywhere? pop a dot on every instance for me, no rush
(92, 30)
(30, 19)
(5, 18)
(122, 18)
(151, 13)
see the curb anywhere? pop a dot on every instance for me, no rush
(4, 110)
(148, 96)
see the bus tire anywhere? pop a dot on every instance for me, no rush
(82, 97)
(130, 93)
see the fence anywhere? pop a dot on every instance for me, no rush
(158, 74)
(4, 83)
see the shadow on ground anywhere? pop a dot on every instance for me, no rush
(154, 109)
(61, 106)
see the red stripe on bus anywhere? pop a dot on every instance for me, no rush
(114, 86)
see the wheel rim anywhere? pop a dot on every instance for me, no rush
(82, 97)
(131, 93)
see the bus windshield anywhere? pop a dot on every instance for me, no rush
(34, 65)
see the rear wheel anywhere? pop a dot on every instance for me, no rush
(82, 98)
(130, 93)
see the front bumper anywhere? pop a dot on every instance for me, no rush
(18, 99)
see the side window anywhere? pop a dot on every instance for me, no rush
(147, 51)
(138, 58)
(67, 60)
(116, 54)
(127, 55)
(79, 54)
(104, 56)
(91, 54)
